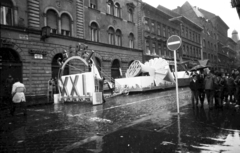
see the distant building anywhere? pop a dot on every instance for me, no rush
(190, 33)
(235, 37)
(214, 35)
(230, 49)
(156, 30)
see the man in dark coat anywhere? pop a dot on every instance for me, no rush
(201, 92)
(209, 83)
(194, 86)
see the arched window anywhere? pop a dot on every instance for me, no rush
(111, 36)
(117, 11)
(52, 21)
(131, 40)
(6, 12)
(66, 25)
(118, 37)
(94, 31)
(130, 14)
(110, 7)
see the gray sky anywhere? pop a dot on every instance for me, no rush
(221, 8)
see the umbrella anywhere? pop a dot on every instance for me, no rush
(197, 67)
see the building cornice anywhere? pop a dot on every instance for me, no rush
(38, 32)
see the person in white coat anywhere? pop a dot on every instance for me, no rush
(19, 99)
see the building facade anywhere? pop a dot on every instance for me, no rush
(209, 34)
(230, 49)
(34, 34)
(235, 38)
(156, 29)
(191, 36)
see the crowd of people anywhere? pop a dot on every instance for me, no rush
(219, 88)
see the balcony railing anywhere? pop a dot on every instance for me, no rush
(235, 3)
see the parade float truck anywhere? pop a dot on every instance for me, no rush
(153, 74)
(89, 86)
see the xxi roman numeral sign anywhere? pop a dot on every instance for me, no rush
(64, 84)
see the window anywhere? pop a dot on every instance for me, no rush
(117, 10)
(147, 25)
(187, 50)
(110, 7)
(6, 12)
(93, 4)
(52, 21)
(183, 49)
(159, 29)
(171, 55)
(162, 51)
(173, 31)
(66, 25)
(159, 49)
(147, 48)
(131, 40)
(153, 27)
(169, 32)
(182, 30)
(204, 55)
(190, 35)
(186, 34)
(194, 52)
(94, 31)
(165, 51)
(130, 15)
(111, 36)
(118, 38)
(153, 49)
(204, 43)
(164, 31)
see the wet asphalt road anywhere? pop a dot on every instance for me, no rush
(144, 123)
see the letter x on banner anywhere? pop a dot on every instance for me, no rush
(63, 86)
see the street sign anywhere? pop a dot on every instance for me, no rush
(174, 42)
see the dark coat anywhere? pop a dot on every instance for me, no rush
(200, 79)
(194, 86)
